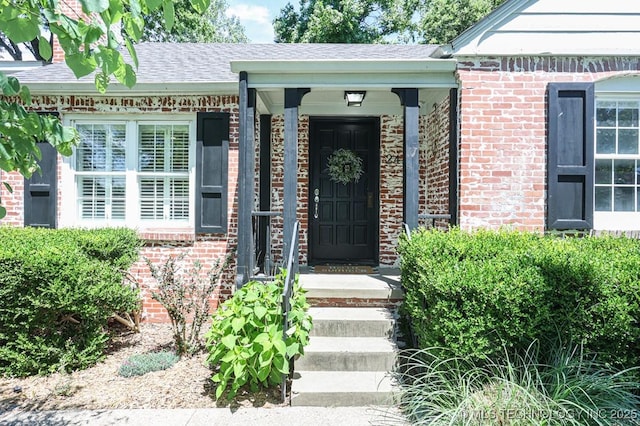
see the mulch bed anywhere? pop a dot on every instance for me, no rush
(185, 385)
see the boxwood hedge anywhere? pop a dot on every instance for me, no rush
(58, 289)
(481, 293)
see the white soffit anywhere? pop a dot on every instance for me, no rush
(389, 73)
(554, 28)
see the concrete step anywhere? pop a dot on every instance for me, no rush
(352, 322)
(341, 388)
(347, 354)
(345, 286)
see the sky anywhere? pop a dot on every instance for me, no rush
(257, 16)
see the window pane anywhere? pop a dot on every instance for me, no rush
(91, 154)
(102, 147)
(624, 200)
(151, 148)
(603, 198)
(604, 172)
(179, 191)
(624, 172)
(606, 141)
(118, 196)
(628, 141)
(617, 184)
(151, 198)
(164, 148)
(180, 149)
(606, 114)
(92, 194)
(628, 114)
(118, 144)
(99, 195)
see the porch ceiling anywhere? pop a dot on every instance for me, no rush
(331, 102)
(328, 79)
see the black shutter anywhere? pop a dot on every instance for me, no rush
(212, 167)
(40, 191)
(570, 148)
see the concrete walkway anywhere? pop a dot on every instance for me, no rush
(293, 416)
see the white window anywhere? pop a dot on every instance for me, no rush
(131, 172)
(617, 164)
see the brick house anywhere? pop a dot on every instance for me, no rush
(224, 147)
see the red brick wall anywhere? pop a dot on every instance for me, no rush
(12, 201)
(434, 163)
(277, 185)
(205, 248)
(391, 195)
(503, 134)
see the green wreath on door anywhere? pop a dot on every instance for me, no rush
(344, 166)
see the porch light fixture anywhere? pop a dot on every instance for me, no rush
(354, 98)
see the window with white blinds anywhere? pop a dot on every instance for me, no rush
(163, 165)
(100, 163)
(133, 171)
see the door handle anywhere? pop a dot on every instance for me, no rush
(316, 200)
(370, 200)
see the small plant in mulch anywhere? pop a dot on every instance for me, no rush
(138, 365)
(185, 294)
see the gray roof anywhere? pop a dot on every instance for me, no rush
(210, 62)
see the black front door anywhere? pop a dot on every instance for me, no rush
(343, 216)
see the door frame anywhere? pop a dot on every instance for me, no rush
(374, 123)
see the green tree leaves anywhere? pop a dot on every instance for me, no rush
(376, 21)
(90, 6)
(21, 129)
(341, 21)
(91, 43)
(443, 20)
(196, 21)
(17, 22)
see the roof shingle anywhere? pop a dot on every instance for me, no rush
(210, 62)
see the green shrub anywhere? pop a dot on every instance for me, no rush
(138, 365)
(116, 246)
(57, 294)
(477, 293)
(246, 341)
(555, 385)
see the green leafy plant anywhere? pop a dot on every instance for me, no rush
(186, 296)
(138, 365)
(58, 293)
(556, 385)
(247, 342)
(477, 292)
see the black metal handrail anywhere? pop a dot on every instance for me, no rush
(433, 217)
(291, 269)
(426, 216)
(262, 229)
